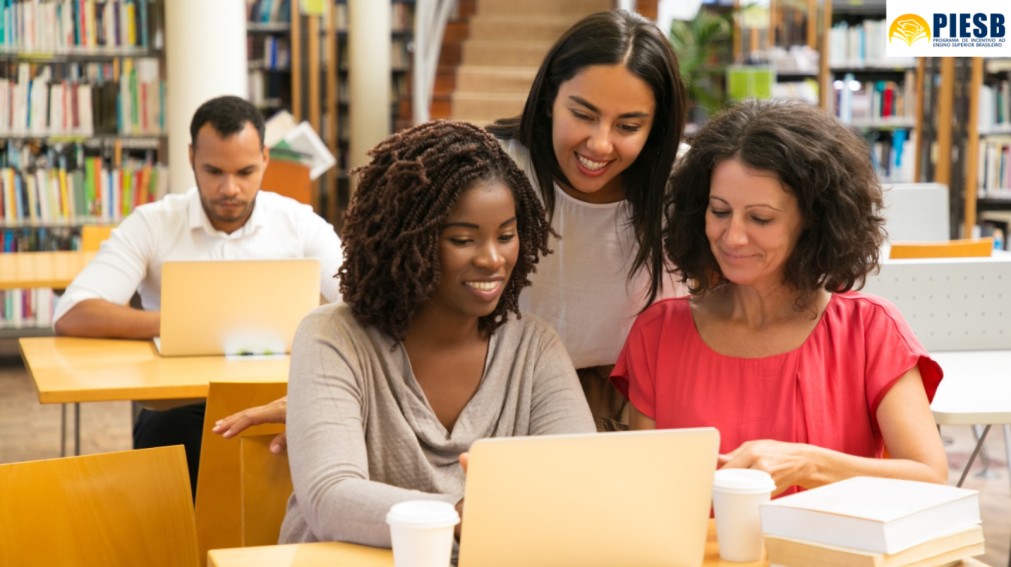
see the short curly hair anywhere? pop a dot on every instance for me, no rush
(822, 162)
(391, 232)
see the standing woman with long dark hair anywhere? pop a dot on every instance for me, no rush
(598, 138)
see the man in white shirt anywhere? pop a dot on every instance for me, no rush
(224, 217)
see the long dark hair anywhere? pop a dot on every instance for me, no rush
(391, 233)
(612, 38)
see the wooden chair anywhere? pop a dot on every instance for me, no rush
(93, 235)
(114, 509)
(290, 179)
(219, 509)
(265, 484)
(968, 248)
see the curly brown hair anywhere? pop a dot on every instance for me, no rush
(392, 228)
(822, 162)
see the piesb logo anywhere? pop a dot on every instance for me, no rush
(941, 28)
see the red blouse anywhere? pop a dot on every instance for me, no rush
(825, 392)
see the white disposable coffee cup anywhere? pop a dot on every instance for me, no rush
(737, 494)
(422, 532)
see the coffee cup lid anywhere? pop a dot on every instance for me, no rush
(423, 513)
(743, 481)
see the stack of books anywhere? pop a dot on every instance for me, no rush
(873, 522)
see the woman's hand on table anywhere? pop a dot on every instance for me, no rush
(789, 464)
(274, 412)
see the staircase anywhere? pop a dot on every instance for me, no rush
(498, 54)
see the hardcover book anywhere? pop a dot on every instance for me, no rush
(881, 515)
(941, 550)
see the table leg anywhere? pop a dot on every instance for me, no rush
(77, 428)
(979, 445)
(63, 430)
(1007, 456)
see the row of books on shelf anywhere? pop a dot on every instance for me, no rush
(994, 113)
(873, 522)
(874, 102)
(892, 154)
(279, 12)
(39, 238)
(26, 308)
(862, 45)
(68, 26)
(268, 89)
(92, 193)
(269, 52)
(806, 90)
(268, 11)
(42, 104)
(994, 171)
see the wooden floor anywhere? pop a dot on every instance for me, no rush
(29, 430)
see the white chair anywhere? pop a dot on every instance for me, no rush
(917, 211)
(959, 308)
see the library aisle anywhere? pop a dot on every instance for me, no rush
(29, 430)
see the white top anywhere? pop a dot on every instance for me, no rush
(177, 228)
(582, 289)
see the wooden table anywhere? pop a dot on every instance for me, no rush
(72, 369)
(350, 555)
(329, 554)
(41, 269)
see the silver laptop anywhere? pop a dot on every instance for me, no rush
(233, 307)
(605, 499)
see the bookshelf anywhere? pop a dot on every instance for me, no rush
(401, 38)
(81, 128)
(987, 103)
(268, 51)
(873, 94)
(299, 63)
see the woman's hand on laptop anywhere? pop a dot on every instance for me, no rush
(789, 463)
(274, 412)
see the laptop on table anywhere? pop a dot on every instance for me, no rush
(605, 499)
(235, 307)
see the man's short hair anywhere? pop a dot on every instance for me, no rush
(228, 115)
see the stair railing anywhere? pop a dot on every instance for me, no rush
(430, 17)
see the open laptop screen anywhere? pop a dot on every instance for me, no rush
(604, 499)
(215, 307)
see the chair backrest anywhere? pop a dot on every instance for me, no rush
(917, 211)
(219, 492)
(288, 178)
(113, 509)
(265, 482)
(968, 248)
(92, 236)
(951, 304)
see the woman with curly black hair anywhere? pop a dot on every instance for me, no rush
(428, 353)
(774, 218)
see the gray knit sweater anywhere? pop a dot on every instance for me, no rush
(362, 437)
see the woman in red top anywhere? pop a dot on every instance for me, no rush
(775, 217)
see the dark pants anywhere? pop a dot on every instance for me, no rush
(183, 425)
(608, 406)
